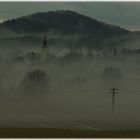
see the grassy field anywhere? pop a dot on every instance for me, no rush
(64, 133)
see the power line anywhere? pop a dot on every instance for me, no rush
(92, 91)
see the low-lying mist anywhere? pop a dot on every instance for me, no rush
(73, 95)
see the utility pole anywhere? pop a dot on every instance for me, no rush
(113, 91)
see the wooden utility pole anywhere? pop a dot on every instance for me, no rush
(113, 91)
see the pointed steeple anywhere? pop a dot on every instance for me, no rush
(45, 41)
(44, 49)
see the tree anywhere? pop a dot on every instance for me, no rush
(36, 81)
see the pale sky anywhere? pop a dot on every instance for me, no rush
(124, 14)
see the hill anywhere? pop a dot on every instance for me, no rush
(66, 27)
(67, 22)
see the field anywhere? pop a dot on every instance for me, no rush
(64, 133)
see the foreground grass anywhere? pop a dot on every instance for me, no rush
(64, 133)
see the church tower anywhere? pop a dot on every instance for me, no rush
(44, 50)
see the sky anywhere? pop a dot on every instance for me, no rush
(124, 14)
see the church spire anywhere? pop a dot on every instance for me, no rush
(44, 49)
(45, 41)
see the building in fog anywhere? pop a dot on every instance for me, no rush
(44, 50)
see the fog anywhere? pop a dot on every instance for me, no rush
(77, 95)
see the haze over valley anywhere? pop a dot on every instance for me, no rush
(61, 69)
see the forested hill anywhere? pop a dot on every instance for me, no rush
(67, 22)
(65, 26)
